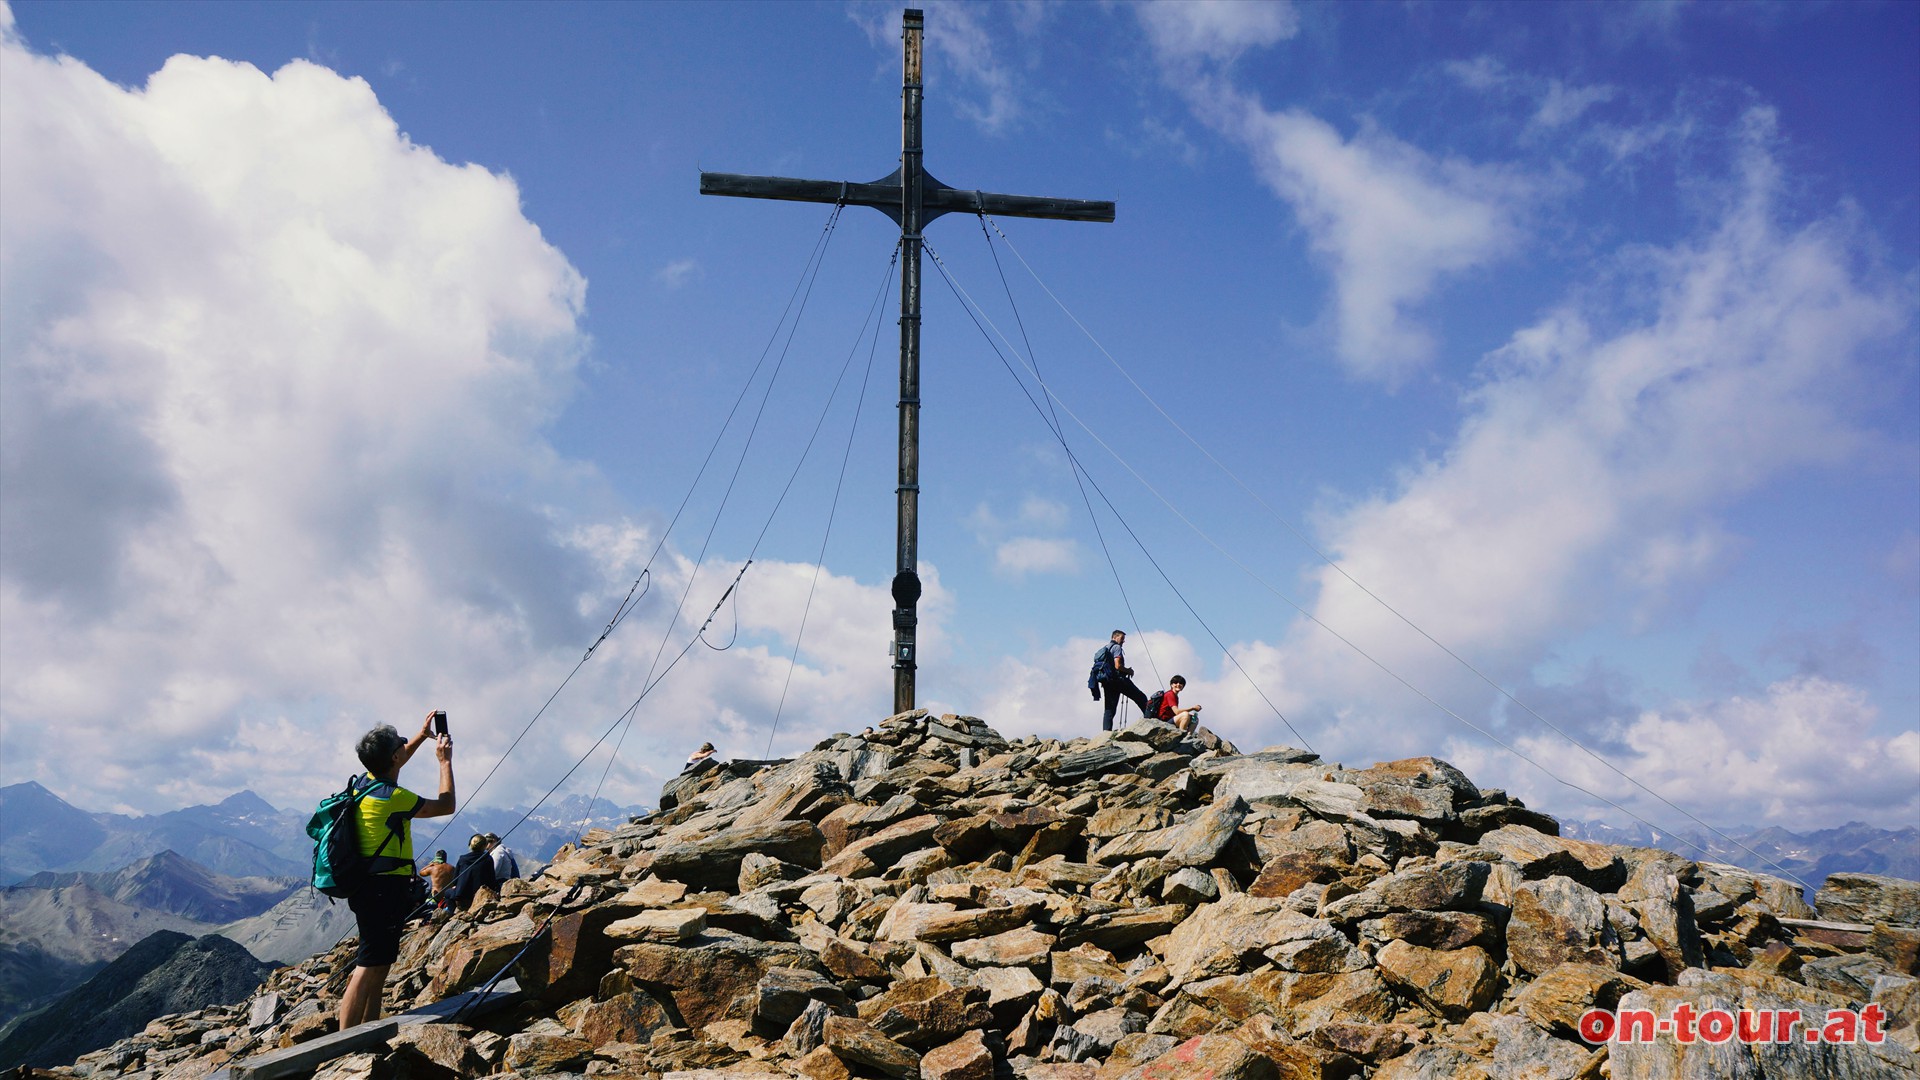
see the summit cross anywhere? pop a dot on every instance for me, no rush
(912, 198)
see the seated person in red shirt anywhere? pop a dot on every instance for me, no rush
(1170, 709)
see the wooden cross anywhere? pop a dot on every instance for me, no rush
(912, 198)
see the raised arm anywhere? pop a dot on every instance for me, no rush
(444, 803)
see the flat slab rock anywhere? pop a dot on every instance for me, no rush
(1869, 898)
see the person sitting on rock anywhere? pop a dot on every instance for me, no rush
(1183, 718)
(505, 866)
(475, 872)
(439, 875)
(700, 759)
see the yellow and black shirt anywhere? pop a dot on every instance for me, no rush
(386, 818)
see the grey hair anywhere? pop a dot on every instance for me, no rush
(378, 746)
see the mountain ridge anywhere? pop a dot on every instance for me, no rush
(164, 972)
(241, 836)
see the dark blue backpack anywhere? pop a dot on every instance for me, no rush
(1102, 668)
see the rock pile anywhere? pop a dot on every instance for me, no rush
(930, 901)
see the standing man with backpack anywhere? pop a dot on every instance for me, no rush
(383, 898)
(1111, 674)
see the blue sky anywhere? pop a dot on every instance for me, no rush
(356, 357)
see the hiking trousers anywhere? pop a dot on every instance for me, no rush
(1117, 686)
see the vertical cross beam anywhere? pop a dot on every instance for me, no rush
(912, 198)
(906, 542)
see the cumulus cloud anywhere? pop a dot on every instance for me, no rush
(1769, 758)
(273, 380)
(1589, 485)
(1599, 440)
(1588, 480)
(273, 387)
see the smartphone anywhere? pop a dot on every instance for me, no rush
(440, 723)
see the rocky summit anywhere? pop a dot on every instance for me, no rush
(927, 900)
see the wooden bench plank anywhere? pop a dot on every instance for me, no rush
(1837, 927)
(307, 1056)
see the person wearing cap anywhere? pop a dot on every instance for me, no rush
(505, 866)
(439, 875)
(384, 813)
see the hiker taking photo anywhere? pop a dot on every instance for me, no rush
(383, 816)
(1112, 675)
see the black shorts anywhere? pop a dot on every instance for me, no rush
(381, 905)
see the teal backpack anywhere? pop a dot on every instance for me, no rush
(338, 867)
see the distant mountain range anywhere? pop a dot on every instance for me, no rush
(57, 929)
(166, 972)
(171, 884)
(244, 835)
(1811, 856)
(81, 888)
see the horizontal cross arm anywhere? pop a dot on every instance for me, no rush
(943, 200)
(935, 198)
(884, 195)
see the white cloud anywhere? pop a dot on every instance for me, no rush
(1019, 555)
(1390, 220)
(273, 385)
(677, 273)
(1562, 104)
(1037, 555)
(1483, 72)
(1801, 753)
(985, 89)
(1216, 30)
(271, 376)
(1586, 483)
(1043, 513)
(1158, 140)
(1557, 102)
